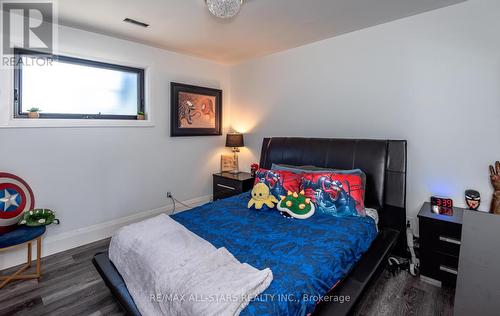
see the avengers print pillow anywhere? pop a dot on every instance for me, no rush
(279, 182)
(335, 194)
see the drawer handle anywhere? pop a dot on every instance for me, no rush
(225, 187)
(449, 270)
(450, 240)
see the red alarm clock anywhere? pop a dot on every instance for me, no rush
(441, 205)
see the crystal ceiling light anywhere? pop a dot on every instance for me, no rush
(224, 9)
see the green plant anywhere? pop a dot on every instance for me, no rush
(34, 110)
(140, 113)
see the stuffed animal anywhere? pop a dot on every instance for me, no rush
(297, 205)
(38, 217)
(260, 196)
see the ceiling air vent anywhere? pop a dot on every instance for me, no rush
(135, 22)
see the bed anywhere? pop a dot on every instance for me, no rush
(351, 261)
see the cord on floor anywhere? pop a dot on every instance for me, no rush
(174, 200)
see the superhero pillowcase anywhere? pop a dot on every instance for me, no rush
(335, 194)
(279, 182)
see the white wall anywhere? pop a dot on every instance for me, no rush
(433, 79)
(93, 175)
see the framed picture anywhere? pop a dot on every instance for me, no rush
(227, 163)
(195, 111)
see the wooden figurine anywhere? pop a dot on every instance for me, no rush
(495, 181)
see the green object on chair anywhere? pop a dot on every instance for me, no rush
(39, 217)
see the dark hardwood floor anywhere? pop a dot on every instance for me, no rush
(405, 295)
(70, 285)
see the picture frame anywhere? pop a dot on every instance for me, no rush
(227, 163)
(195, 111)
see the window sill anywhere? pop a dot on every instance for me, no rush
(70, 123)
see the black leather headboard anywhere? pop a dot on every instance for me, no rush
(383, 161)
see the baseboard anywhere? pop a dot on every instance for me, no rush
(85, 235)
(430, 280)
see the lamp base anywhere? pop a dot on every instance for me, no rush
(236, 162)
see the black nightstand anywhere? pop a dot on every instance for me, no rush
(440, 240)
(228, 184)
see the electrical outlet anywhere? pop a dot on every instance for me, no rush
(170, 195)
(413, 224)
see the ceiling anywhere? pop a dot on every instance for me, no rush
(261, 28)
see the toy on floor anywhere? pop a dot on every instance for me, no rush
(297, 205)
(261, 196)
(39, 217)
(410, 264)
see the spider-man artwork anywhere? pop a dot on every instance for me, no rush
(335, 194)
(279, 182)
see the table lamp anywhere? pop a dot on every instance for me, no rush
(235, 141)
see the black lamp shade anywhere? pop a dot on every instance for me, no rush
(234, 140)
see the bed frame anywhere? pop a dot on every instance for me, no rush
(383, 161)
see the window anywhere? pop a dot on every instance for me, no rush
(72, 88)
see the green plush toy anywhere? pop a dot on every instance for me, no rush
(297, 205)
(38, 217)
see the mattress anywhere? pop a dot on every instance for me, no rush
(307, 257)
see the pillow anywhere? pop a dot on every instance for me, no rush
(292, 168)
(373, 213)
(278, 182)
(314, 169)
(335, 194)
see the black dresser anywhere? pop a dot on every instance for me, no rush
(226, 184)
(440, 240)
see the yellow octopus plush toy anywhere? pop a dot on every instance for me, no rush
(261, 196)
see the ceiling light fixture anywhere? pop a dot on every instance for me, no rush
(224, 9)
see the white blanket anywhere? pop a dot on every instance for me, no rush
(169, 270)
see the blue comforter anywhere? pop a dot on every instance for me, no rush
(307, 257)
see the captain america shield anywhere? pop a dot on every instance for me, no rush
(16, 198)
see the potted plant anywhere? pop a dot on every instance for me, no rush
(34, 113)
(141, 116)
